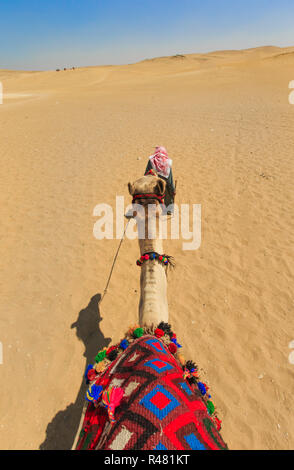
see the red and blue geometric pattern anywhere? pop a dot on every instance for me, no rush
(185, 387)
(159, 409)
(193, 442)
(160, 447)
(157, 345)
(160, 402)
(158, 365)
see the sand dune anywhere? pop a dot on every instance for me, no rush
(285, 56)
(75, 138)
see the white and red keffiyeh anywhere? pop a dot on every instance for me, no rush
(160, 161)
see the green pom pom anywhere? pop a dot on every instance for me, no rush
(210, 407)
(138, 332)
(100, 356)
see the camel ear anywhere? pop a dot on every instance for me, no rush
(131, 189)
(160, 187)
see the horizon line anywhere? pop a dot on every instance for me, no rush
(182, 54)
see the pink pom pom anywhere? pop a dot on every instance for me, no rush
(111, 398)
(146, 257)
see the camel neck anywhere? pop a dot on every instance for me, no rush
(153, 307)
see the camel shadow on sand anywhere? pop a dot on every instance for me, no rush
(61, 431)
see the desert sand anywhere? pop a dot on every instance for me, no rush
(73, 139)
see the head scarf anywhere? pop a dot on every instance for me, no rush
(160, 161)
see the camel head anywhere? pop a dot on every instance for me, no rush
(150, 185)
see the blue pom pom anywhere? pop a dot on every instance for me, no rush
(86, 373)
(152, 256)
(202, 388)
(94, 392)
(174, 340)
(124, 344)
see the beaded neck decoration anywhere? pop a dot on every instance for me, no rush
(165, 259)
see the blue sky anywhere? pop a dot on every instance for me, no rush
(46, 34)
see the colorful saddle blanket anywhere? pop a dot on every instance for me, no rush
(160, 409)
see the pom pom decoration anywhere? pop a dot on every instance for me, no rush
(86, 373)
(138, 332)
(194, 373)
(100, 366)
(192, 380)
(165, 327)
(91, 375)
(172, 348)
(163, 258)
(111, 399)
(112, 348)
(210, 407)
(202, 388)
(158, 333)
(113, 355)
(124, 344)
(93, 393)
(190, 365)
(100, 356)
(174, 340)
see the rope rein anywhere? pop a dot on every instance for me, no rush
(114, 261)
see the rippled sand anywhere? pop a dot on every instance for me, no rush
(75, 138)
